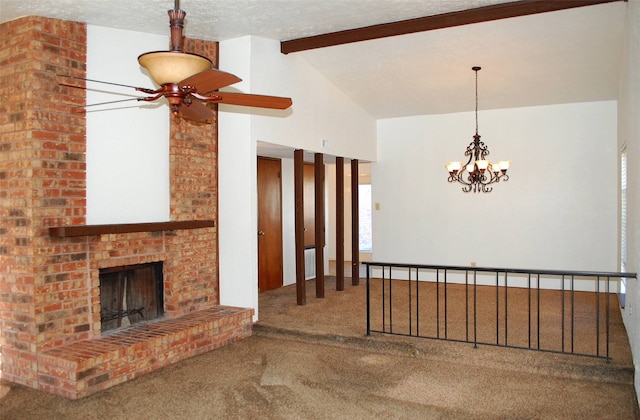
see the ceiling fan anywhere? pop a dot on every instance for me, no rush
(189, 81)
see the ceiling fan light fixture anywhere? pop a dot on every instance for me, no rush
(173, 66)
(188, 81)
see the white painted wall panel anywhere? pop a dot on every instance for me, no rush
(629, 135)
(237, 195)
(320, 110)
(128, 142)
(558, 210)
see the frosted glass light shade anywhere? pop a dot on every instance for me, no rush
(453, 166)
(482, 164)
(173, 66)
(504, 164)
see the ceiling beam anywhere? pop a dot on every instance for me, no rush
(429, 23)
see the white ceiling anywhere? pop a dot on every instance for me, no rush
(559, 57)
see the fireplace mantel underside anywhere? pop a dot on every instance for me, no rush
(90, 230)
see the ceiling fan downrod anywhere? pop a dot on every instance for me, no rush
(176, 23)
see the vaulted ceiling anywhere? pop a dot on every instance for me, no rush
(563, 56)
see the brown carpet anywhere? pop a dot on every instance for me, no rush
(315, 362)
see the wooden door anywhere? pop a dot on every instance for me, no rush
(269, 224)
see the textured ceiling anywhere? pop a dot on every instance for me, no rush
(558, 57)
(225, 19)
(550, 58)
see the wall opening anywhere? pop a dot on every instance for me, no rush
(364, 216)
(130, 294)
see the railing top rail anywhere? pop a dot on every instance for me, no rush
(503, 270)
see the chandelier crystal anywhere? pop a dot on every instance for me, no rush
(478, 173)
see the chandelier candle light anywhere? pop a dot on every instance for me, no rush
(478, 173)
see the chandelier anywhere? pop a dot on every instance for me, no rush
(477, 173)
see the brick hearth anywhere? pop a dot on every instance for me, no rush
(84, 367)
(49, 288)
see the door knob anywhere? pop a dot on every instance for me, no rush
(261, 232)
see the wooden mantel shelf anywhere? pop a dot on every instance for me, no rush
(90, 230)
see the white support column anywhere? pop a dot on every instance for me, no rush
(237, 194)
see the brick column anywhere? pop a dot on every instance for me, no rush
(42, 184)
(194, 195)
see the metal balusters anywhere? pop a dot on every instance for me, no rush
(449, 284)
(410, 306)
(529, 310)
(390, 301)
(384, 307)
(608, 315)
(417, 301)
(475, 311)
(446, 320)
(563, 313)
(466, 303)
(438, 301)
(538, 327)
(598, 317)
(573, 303)
(506, 310)
(368, 300)
(497, 310)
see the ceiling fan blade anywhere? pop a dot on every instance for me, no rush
(210, 80)
(259, 101)
(196, 111)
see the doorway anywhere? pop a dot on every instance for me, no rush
(270, 271)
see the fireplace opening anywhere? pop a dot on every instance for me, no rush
(130, 294)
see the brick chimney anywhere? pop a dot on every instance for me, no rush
(49, 291)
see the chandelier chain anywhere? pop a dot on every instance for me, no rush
(476, 101)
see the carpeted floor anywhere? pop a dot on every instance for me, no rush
(316, 362)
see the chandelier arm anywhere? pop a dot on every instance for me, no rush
(487, 178)
(459, 178)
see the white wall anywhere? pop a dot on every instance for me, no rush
(320, 111)
(288, 222)
(237, 191)
(128, 142)
(629, 134)
(558, 210)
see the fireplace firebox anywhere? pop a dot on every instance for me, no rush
(130, 295)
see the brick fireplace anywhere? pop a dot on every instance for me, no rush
(50, 261)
